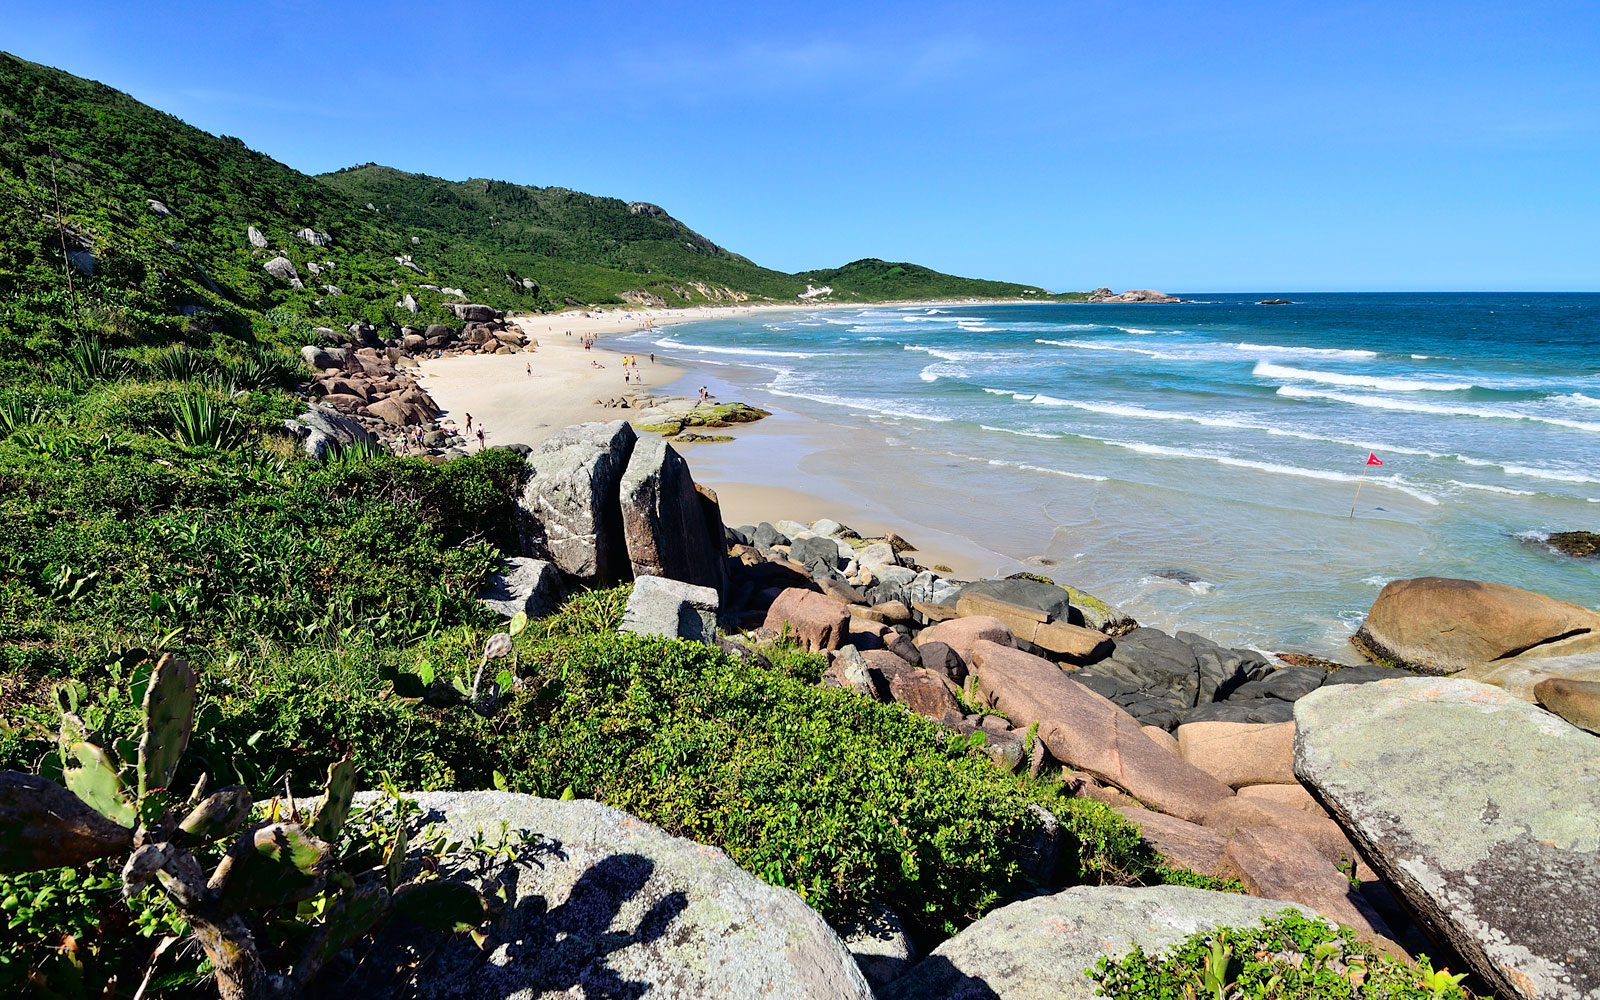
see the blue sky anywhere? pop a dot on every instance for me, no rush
(1293, 146)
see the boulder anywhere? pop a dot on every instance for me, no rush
(255, 237)
(531, 586)
(1039, 948)
(282, 268)
(671, 609)
(1439, 626)
(600, 903)
(819, 622)
(1521, 675)
(1164, 740)
(1294, 795)
(1576, 701)
(570, 504)
(1285, 683)
(313, 237)
(924, 692)
(472, 312)
(157, 207)
(1240, 753)
(766, 536)
(879, 943)
(1229, 816)
(1182, 843)
(1281, 864)
(1072, 643)
(877, 554)
(664, 520)
(1480, 810)
(941, 659)
(959, 634)
(320, 358)
(1256, 711)
(1087, 732)
(324, 431)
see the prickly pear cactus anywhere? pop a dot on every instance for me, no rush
(336, 798)
(217, 815)
(168, 722)
(88, 773)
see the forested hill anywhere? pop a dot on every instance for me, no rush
(128, 204)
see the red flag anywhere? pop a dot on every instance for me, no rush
(1373, 459)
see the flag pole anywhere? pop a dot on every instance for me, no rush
(1361, 479)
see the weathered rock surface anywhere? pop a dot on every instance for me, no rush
(960, 634)
(1038, 949)
(1189, 845)
(255, 237)
(1240, 753)
(532, 586)
(1280, 864)
(1088, 732)
(323, 430)
(664, 519)
(571, 504)
(603, 904)
(1576, 701)
(879, 942)
(672, 609)
(924, 692)
(1481, 810)
(819, 622)
(1439, 625)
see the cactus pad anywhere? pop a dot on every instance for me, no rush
(336, 798)
(280, 863)
(89, 774)
(47, 826)
(352, 916)
(218, 814)
(168, 722)
(498, 646)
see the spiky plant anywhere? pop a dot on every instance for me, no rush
(198, 421)
(178, 364)
(93, 361)
(15, 415)
(274, 859)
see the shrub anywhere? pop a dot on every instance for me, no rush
(1287, 957)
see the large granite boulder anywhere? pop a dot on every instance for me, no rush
(324, 432)
(1059, 601)
(1440, 626)
(671, 609)
(1085, 731)
(819, 622)
(1480, 809)
(1039, 948)
(570, 504)
(665, 520)
(600, 903)
(1576, 701)
(1159, 678)
(531, 586)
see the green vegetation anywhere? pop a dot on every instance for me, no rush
(1287, 957)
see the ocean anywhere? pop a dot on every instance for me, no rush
(1196, 464)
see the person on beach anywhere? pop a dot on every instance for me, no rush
(652, 357)
(469, 418)
(529, 368)
(480, 437)
(702, 395)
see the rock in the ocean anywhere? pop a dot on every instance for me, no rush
(323, 431)
(671, 609)
(1576, 701)
(571, 504)
(1440, 626)
(665, 521)
(531, 586)
(1038, 949)
(1575, 543)
(603, 904)
(1481, 810)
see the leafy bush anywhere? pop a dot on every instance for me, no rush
(1287, 957)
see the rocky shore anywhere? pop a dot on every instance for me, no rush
(1452, 815)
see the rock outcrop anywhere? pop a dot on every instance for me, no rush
(570, 501)
(600, 903)
(530, 586)
(671, 609)
(670, 528)
(1038, 949)
(1481, 810)
(1440, 626)
(323, 431)
(1139, 295)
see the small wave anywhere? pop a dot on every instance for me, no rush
(1137, 331)
(1422, 357)
(943, 369)
(1377, 581)
(1090, 346)
(1578, 399)
(1439, 409)
(1266, 369)
(756, 351)
(883, 407)
(1556, 475)
(1485, 487)
(1023, 433)
(949, 355)
(1391, 482)
(998, 392)
(1321, 352)
(1054, 472)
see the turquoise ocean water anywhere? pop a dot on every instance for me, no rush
(1197, 463)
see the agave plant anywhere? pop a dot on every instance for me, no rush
(93, 361)
(257, 370)
(15, 415)
(275, 859)
(199, 422)
(178, 364)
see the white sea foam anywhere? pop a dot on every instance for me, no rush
(884, 407)
(1487, 488)
(1556, 475)
(1439, 409)
(1091, 346)
(1578, 398)
(1013, 430)
(1054, 472)
(950, 355)
(1391, 482)
(1266, 369)
(669, 342)
(1377, 581)
(1134, 330)
(998, 392)
(943, 369)
(1322, 352)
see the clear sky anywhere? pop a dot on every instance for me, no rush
(1189, 147)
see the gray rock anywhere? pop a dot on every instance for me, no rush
(324, 431)
(532, 586)
(827, 527)
(1262, 711)
(600, 903)
(1038, 949)
(1046, 597)
(1287, 683)
(1366, 673)
(409, 302)
(82, 261)
(671, 608)
(472, 312)
(256, 238)
(158, 208)
(879, 943)
(313, 237)
(570, 504)
(1480, 809)
(876, 555)
(766, 536)
(670, 528)
(282, 268)
(793, 529)
(816, 551)
(320, 358)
